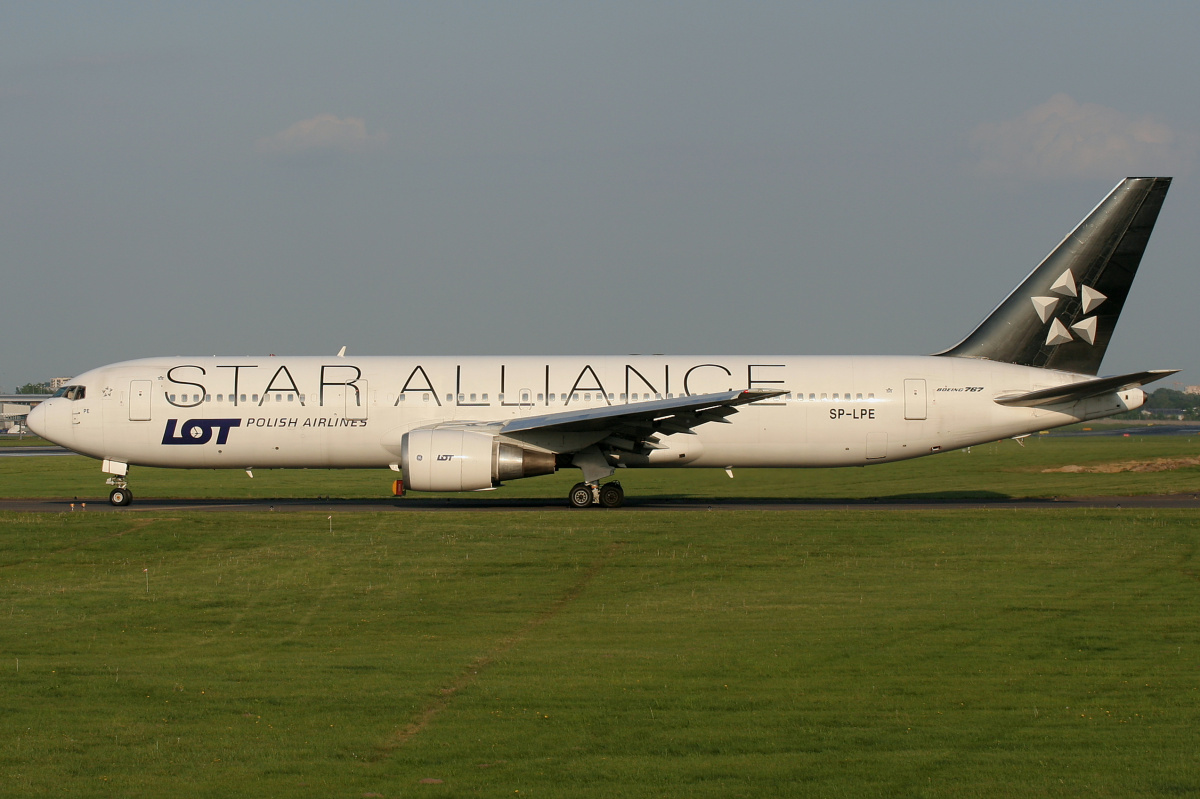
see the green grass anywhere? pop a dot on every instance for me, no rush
(1001, 469)
(952, 653)
(27, 440)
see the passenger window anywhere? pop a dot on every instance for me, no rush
(858, 396)
(870, 396)
(824, 396)
(553, 398)
(524, 396)
(461, 397)
(424, 397)
(291, 397)
(220, 398)
(587, 397)
(575, 396)
(242, 398)
(472, 398)
(170, 398)
(208, 397)
(812, 397)
(485, 399)
(254, 397)
(449, 398)
(541, 397)
(624, 397)
(279, 398)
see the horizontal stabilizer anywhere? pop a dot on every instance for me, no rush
(1074, 392)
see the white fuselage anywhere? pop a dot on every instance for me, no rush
(338, 412)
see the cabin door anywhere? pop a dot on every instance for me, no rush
(914, 399)
(139, 400)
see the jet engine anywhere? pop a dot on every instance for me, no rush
(464, 460)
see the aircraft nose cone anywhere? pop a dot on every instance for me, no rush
(36, 421)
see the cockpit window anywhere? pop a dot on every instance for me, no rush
(62, 390)
(69, 392)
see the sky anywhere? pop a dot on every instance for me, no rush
(564, 178)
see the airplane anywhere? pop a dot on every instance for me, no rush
(471, 424)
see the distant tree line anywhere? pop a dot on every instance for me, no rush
(34, 388)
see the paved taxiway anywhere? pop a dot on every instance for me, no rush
(33, 452)
(1188, 501)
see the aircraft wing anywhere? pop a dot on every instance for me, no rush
(595, 435)
(1074, 392)
(634, 427)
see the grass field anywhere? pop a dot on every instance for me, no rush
(995, 652)
(29, 440)
(955, 653)
(999, 469)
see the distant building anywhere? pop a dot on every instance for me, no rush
(1192, 390)
(58, 382)
(13, 412)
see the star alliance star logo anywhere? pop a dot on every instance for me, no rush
(1065, 287)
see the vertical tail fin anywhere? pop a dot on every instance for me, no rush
(1063, 314)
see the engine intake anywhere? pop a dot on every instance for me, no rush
(463, 460)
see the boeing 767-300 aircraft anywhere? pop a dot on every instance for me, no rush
(468, 424)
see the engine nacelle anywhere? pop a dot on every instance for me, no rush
(463, 460)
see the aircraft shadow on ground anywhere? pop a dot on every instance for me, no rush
(889, 499)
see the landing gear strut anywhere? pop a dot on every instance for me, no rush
(121, 495)
(584, 495)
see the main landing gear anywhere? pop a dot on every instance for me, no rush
(121, 495)
(584, 495)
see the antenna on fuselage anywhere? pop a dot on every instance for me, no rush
(342, 352)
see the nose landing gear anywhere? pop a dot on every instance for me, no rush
(584, 495)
